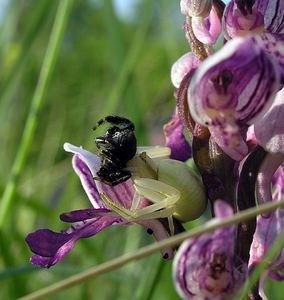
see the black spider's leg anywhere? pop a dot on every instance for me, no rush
(112, 178)
(124, 175)
(111, 157)
(103, 141)
(116, 120)
(107, 148)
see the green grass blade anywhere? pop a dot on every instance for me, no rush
(58, 29)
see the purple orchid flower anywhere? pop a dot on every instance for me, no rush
(50, 247)
(243, 17)
(232, 89)
(205, 267)
(268, 230)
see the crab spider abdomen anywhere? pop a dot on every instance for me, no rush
(193, 200)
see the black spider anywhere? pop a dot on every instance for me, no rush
(116, 148)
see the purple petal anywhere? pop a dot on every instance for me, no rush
(207, 30)
(83, 214)
(183, 66)
(50, 247)
(87, 181)
(175, 139)
(86, 165)
(91, 160)
(227, 138)
(269, 130)
(274, 45)
(263, 15)
(238, 23)
(273, 12)
(160, 233)
(264, 178)
(268, 230)
(204, 267)
(278, 180)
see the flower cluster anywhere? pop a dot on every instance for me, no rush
(231, 102)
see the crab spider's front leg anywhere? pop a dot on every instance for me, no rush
(163, 197)
(138, 214)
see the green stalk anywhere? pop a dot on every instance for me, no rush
(145, 251)
(63, 11)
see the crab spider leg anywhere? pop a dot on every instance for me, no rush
(135, 201)
(131, 215)
(155, 186)
(153, 190)
(148, 188)
(155, 152)
(162, 195)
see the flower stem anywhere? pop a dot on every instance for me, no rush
(63, 11)
(145, 251)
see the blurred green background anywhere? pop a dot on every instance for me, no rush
(115, 58)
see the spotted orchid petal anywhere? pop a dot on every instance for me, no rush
(183, 66)
(232, 89)
(207, 30)
(274, 45)
(204, 267)
(175, 139)
(195, 8)
(50, 247)
(268, 230)
(243, 17)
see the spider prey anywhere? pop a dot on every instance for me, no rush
(173, 189)
(116, 148)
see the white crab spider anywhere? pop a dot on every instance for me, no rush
(172, 187)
